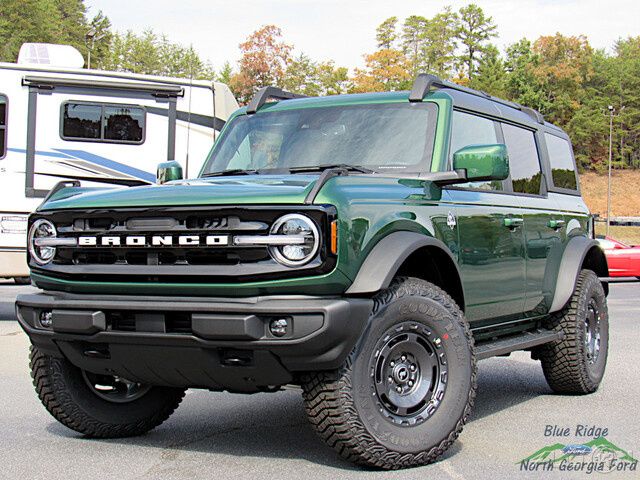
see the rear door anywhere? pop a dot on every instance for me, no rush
(544, 223)
(490, 226)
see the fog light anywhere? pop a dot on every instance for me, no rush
(279, 327)
(46, 319)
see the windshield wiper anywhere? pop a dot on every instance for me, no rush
(233, 171)
(342, 166)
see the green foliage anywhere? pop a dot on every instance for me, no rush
(560, 76)
(386, 34)
(475, 31)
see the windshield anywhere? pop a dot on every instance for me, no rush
(380, 137)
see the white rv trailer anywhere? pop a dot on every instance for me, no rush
(60, 123)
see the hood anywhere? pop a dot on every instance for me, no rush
(233, 190)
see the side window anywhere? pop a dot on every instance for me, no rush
(3, 126)
(87, 122)
(524, 163)
(473, 130)
(562, 167)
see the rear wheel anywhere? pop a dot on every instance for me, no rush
(404, 393)
(576, 364)
(101, 406)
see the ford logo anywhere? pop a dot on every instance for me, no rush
(577, 450)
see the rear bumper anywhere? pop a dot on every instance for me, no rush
(216, 343)
(13, 263)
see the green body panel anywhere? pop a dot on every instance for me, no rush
(507, 251)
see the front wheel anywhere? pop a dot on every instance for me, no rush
(99, 406)
(404, 393)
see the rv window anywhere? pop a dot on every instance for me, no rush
(103, 123)
(3, 126)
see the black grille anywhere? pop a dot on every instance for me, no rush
(178, 263)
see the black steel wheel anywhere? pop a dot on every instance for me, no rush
(404, 393)
(409, 369)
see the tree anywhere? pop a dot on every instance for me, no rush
(491, 76)
(474, 32)
(414, 38)
(100, 46)
(153, 55)
(40, 21)
(386, 70)
(440, 43)
(264, 61)
(386, 33)
(564, 67)
(301, 76)
(225, 74)
(333, 80)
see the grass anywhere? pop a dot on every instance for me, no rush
(628, 235)
(625, 193)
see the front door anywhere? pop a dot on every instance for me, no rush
(490, 228)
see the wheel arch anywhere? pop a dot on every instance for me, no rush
(580, 253)
(409, 254)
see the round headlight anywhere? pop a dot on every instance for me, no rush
(299, 252)
(41, 229)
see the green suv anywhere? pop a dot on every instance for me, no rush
(368, 249)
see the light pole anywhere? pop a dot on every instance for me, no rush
(90, 39)
(611, 110)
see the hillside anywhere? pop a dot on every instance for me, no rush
(625, 193)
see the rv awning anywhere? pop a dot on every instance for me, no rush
(157, 89)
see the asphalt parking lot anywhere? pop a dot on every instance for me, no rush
(221, 435)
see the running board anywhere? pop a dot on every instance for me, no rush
(503, 346)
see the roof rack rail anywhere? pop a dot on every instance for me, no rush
(265, 93)
(425, 81)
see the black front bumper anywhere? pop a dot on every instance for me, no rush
(215, 343)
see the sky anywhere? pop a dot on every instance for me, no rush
(344, 30)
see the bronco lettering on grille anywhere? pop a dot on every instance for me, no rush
(154, 240)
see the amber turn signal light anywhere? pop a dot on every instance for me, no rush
(334, 237)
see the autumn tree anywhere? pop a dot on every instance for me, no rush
(475, 30)
(264, 62)
(564, 66)
(386, 70)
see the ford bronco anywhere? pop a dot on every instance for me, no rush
(367, 249)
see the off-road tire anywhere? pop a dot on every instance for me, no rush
(339, 402)
(67, 397)
(565, 362)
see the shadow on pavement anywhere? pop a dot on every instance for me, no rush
(275, 425)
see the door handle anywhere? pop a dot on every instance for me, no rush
(513, 222)
(556, 224)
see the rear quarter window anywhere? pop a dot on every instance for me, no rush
(563, 173)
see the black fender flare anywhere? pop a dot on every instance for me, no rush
(386, 257)
(573, 258)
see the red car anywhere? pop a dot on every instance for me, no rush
(623, 260)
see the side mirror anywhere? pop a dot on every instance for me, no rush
(482, 162)
(168, 171)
